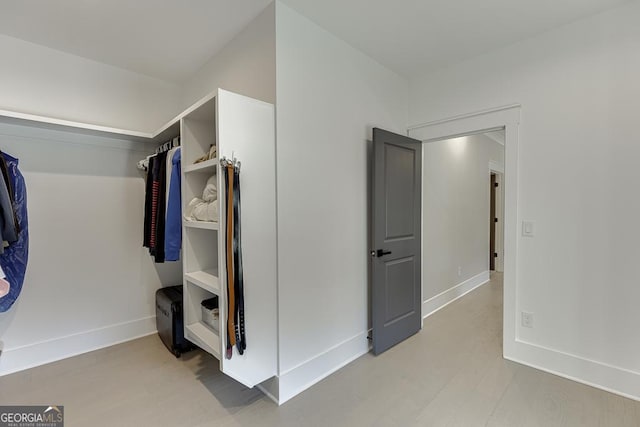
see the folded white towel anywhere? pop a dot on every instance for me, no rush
(199, 210)
(210, 192)
(205, 209)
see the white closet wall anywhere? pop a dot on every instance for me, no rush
(38, 80)
(246, 65)
(89, 282)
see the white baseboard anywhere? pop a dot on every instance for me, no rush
(299, 378)
(445, 298)
(600, 375)
(43, 352)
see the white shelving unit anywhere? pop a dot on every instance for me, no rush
(244, 128)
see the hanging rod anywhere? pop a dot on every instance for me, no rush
(175, 142)
(143, 164)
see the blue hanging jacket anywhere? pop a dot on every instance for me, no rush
(14, 259)
(173, 224)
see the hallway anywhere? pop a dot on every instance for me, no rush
(449, 374)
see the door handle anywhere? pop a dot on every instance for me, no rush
(381, 252)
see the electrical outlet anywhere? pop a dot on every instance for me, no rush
(527, 319)
(459, 271)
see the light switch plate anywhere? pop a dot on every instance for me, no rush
(527, 228)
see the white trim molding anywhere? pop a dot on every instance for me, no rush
(295, 380)
(445, 298)
(43, 352)
(610, 378)
(487, 112)
(495, 166)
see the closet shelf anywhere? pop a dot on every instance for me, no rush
(204, 337)
(207, 280)
(204, 108)
(203, 225)
(206, 166)
(71, 126)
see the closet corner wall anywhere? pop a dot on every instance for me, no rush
(242, 128)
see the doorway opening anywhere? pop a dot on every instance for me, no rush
(417, 301)
(461, 219)
(504, 119)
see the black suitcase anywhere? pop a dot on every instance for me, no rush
(170, 321)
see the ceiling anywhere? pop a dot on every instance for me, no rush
(414, 37)
(167, 39)
(171, 39)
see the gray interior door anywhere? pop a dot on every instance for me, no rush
(397, 197)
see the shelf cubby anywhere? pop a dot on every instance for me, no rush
(206, 279)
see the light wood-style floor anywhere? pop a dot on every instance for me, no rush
(450, 374)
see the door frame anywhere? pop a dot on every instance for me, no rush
(493, 224)
(498, 171)
(507, 118)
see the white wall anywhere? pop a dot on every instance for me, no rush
(329, 97)
(89, 282)
(578, 175)
(455, 232)
(42, 81)
(246, 65)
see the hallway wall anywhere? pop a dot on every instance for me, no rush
(455, 231)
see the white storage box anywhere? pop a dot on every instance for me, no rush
(211, 313)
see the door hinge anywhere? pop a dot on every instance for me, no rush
(495, 254)
(495, 219)
(495, 184)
